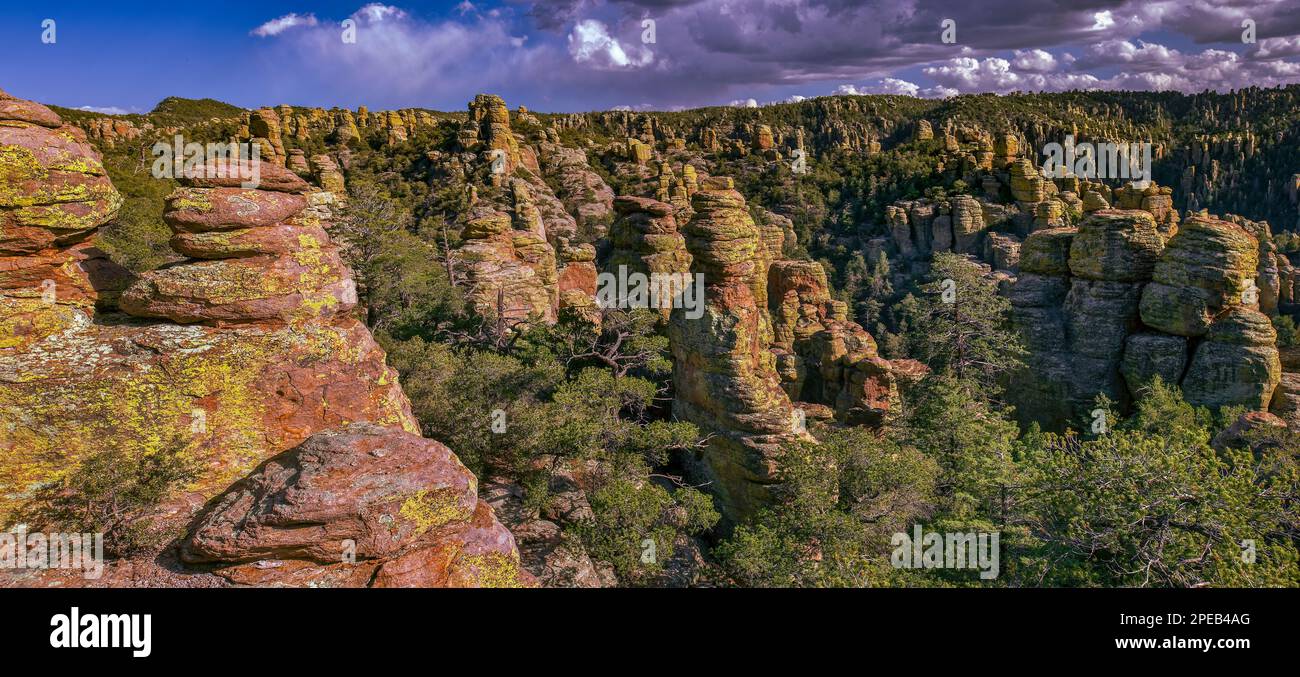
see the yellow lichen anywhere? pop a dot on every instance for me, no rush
(493, 570)
(432, 508)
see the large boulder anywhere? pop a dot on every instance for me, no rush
(1204, 270)
(1116, 245)
(362, 505)
(1237, 364)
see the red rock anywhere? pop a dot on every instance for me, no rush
(246, 242)
(20, 110)
(310, 283)
(270, 177)
(578, 276)
(198, 210)
(357, 500)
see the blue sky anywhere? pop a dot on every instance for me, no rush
(564, 55)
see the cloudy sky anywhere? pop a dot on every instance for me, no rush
(568, 55)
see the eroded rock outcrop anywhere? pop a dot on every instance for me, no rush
(1074, 305)
(256, 258)
(54, 193)
(234, 361)
(1207, 267)
(1125, 307)
(725, 376)
(509, 273)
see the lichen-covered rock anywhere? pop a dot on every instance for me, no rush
(583, 192)
(1101, 315)
(1237, 364)
(1205, 269)
(199, 210)
(395, 506)
(219, 174)
(223, 244)
(511, 273)
(228, 397)
(54, 193)
(310, 282)
(725, 376)
(645, 240)
(1002, 251)
(967, 224)
(1027, 184)
(1286, 399)
(295, 273)
(1047, 252)
(53, 188)
(1116, 245)
(1148, 355)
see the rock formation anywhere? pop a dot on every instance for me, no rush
(645, 240)
(238, 357)
(1122, 307)
(255, 256)
(509, 273)
(359, 506)
(54, 193)
(725, 377)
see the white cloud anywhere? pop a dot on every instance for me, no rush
(993, 74)
(284, 23)
(744, 103)
(590, 43)
(376, 12)
(106, 110)
(1102, 20)
(1035, 60)
(885, 86)
(1276, 48)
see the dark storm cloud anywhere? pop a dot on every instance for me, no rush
(578, 54)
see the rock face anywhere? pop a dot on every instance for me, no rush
(1075, 327)
(821, 356)
(1207, 267)
(725, 377)
(645, 239)
(358, 506)
(1237, 363)
(54, 193)
(1125, 308)
(583, 192)
(213, 374)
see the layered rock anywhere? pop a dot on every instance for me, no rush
(237, 378)
(1206, 268)
(1074, 314)
(54, 193)
(509, 273)
(1126, 307)
(645, 240)
(822, 357)
(1237, 364)
(256, 257)
(725, 378)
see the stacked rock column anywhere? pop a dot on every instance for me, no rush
(725, 376)
(255, 256)
(54, 194)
